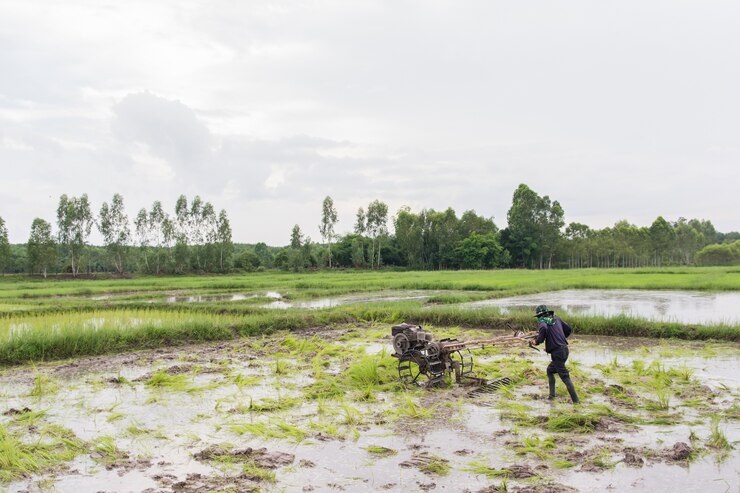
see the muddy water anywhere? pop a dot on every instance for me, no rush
(694, 307)
(163, 429)
(353, 299)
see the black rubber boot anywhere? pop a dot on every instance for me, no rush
(551, 381)
(571, 390)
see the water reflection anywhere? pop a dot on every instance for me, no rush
(198, 298)
(695, 307)
(345, 300)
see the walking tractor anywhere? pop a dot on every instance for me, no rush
(424, 362)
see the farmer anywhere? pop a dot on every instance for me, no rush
(555, 332)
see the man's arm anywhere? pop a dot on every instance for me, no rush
(541, 336)
(567, 330)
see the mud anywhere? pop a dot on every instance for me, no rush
(213, 436)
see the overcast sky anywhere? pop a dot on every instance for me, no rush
(618, 110)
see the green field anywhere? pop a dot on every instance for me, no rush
(52, 319)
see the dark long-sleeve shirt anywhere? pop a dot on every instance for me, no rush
(555, 335)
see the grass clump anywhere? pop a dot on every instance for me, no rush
(43, 385)
(105, 450)
(717, 439)
(534, 445)
(41, 451)
(164, 380)
(258, 473)
(378, 451)
(481, 468)
(409, 408)
(272, 430)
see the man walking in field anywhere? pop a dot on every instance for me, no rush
(555, 332)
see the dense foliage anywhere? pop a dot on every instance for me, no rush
(197, 239)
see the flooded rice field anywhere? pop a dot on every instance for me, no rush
(693, 307)
(322, 410)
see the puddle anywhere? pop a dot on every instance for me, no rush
(694, 307)
(353, 299)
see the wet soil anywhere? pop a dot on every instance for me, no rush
(239, 424)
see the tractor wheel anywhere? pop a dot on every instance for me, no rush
(415, 368)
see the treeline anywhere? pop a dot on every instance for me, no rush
(196, 239)
(193, 239)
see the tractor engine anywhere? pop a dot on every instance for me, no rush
(407, 337)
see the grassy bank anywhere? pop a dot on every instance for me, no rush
(504, 282)
(64, 335)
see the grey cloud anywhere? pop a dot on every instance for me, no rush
(170, 129)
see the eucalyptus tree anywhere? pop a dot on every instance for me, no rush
(328, 222)
(74, 221)
(205, 226)
(181, 234)
(296, 237)
(377, 228)
(4, 245)
(155, 233)
(114, 226)
(577, 236)
(549, 223)
(360, 222)
(444, 227)
(662, 238)
(689, 240)
(143, 234)
(706, 228)
(41, 249)
(410, 238)
(223, 240)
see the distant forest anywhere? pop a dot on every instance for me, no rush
(197, 239)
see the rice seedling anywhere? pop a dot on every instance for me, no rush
(18, 458)
(271, 405)
(409, 408)
(379, 451)
(241, 380)
(693, 438)
(105, 450)
(717, 439)
(257, 473)
(273, 429)
(352, 415)
(163, 380)
(603, 458)
(435, 465)
(480, 468)
(115, 416)
(536, 446)
(661, 402)
(326, 429)
(29, 418)
(43, 385)
(300, 345)
(562, 464)
(135, 430)
(282, 367)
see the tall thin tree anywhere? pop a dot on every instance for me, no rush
(328, 222)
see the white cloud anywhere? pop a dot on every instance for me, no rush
(628, 111)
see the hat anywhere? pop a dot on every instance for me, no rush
(542, 310)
